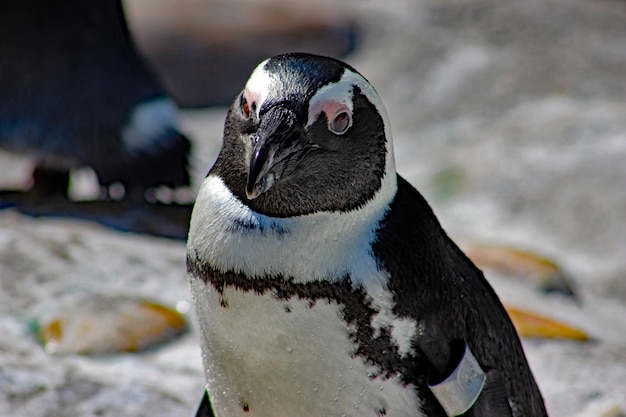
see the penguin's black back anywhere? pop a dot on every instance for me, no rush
(434, 283)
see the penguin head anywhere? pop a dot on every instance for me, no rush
(307, 134)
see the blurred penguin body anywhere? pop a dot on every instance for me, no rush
(74, 91)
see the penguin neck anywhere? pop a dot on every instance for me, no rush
(230, 236)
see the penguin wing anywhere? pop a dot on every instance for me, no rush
(435, 284)
(492, 400)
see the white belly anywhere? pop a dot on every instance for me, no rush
(275, 358)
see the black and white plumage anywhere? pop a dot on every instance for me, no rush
(322, 281)
(74, 91)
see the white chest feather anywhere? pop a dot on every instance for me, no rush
(293, 358)
(271, 358)
(229, 236)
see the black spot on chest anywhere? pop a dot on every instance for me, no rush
(247, 226)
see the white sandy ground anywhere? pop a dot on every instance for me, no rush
(527, 127)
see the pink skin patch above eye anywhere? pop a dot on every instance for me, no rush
(253, 98)
(330, 108)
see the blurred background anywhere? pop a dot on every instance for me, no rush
(510, 117)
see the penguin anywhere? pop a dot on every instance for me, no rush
(322, 282)
(75, 91)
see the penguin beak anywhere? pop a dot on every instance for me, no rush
(277, 149)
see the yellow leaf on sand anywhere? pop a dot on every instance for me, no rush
(104, 325)
(536, 326)
(521, 264)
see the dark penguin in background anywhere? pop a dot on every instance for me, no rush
(74, 91)
(322, 282)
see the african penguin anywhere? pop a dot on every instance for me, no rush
(74, 91)
(323, 284)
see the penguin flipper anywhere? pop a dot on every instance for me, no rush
(205, 409)
(493, 400)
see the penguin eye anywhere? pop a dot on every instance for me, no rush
(245, 107)
(340, 122)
